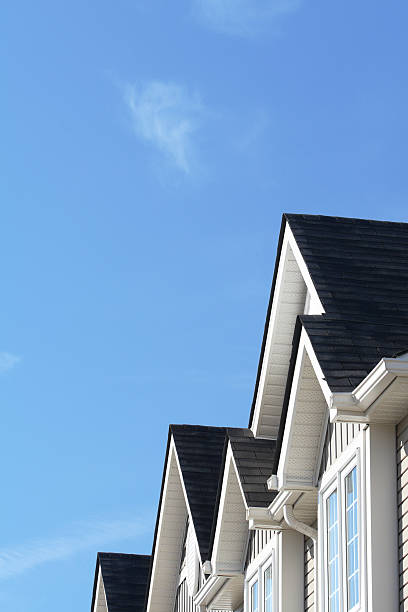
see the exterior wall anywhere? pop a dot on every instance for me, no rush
(402, 499)
(258, 539)
(338, 437)
(309, 575)
(184, 602)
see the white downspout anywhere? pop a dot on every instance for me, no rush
(308, 531)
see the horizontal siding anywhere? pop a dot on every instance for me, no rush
(258, 539)
(338, 437)
(309, 576)
(402, 499)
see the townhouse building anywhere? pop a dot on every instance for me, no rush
(306, 509)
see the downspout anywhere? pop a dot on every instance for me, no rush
(308, 531)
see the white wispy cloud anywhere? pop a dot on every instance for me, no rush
(98, 535)
(8, 361)
(166, 115)
(242, 17)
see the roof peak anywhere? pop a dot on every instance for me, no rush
(339, 218)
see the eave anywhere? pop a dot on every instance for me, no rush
(378, 398)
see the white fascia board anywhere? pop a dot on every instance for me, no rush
(288, 241)
(304, 338)
(209, 590)
(314, 296)
(280, 481)
(224, 490)
(172, 454)
(186, 500)
(229, 465)
(276, 507)
(261, 518)
(355, 406)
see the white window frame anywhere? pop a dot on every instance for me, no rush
(335, 479)
(256, 572)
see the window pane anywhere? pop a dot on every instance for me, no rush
(254, 597)
(268, 589)
(353, 588)
(333, 553)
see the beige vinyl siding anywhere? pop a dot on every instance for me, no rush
(258, 539)
(402, 500)
(309, 575)
(338, 437)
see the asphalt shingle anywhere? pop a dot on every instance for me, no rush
(125, 578)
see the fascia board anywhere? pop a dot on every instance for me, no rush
(283, 497)
(270, 326)
(354, 406)
(159, 521)
(239, 479)
(261, 518)
(209, 589)
(97, 579)
(170, 456)
(229, 464)
(288, 241)
(186, 500)
(279, 481)
(316, 366)
(304, 270)
(221, 505)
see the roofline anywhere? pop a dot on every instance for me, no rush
(288, 389)
(268, 315)
(95, 582)
(157, 518)
(218, 498)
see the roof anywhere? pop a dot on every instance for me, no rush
(348, 350)
(360, 271)
(254, 458)
(359, 267)
(200, 453)
(125, 578)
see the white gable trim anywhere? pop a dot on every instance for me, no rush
(100, 599)
(305, 423)
(174, 510)
(294, 291)
(231, 531)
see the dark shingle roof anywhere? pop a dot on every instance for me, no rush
(348, 350)
(360, 270)
(125, 578)
(359, 267)
(254, 458)
(200, 452)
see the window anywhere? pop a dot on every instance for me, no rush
(353, 589)
(254, 597)
(268, 589)
(260, 591)
(333, 552)
(342, 542)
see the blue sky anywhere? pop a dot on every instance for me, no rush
(148, 150)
